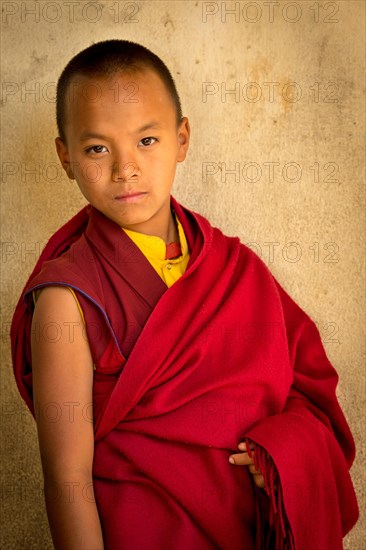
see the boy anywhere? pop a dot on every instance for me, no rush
(195, 359)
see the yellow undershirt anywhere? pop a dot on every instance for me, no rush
(153, 248)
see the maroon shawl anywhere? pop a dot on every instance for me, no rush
(182, 376)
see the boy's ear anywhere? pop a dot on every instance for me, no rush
(184, 132)
(63, 155)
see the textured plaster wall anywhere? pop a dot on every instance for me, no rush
(278, 162)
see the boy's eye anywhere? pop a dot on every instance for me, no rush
(148, 141)
(97, 149)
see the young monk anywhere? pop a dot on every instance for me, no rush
(183, 400)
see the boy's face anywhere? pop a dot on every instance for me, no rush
(122, 147)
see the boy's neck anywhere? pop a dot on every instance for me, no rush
(168, 235)
(172, 233)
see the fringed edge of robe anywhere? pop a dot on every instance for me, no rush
(278, 522)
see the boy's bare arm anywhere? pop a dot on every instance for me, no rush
(62, 391)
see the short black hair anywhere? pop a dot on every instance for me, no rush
(106, 58)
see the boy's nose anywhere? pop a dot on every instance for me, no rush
(124, 171)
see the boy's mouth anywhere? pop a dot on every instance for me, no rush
(131, 196)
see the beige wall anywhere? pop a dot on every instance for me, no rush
(296, 193)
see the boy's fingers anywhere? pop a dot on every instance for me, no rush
(252, 469)
(241, 459)
(258, 480)
(243, 446)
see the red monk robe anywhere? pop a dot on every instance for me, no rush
(182, 376)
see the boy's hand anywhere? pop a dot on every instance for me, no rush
(243, 459)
